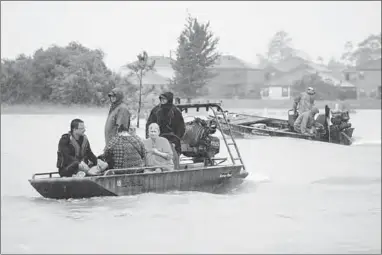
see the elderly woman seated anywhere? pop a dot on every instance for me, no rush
(158, 150)
(125, 150)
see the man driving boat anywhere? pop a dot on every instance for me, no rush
(305, 101)
(305, 123)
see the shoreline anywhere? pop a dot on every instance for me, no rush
(31, 109)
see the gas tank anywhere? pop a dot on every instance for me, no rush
(292, 117)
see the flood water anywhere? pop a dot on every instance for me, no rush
(300, 197)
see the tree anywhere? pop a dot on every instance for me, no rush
(368, 49)
(347, 57)
(139, 70)
(280, 47)
(195, 54)
(67, 75)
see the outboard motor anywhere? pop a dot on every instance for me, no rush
(198, 141)
(340, 130)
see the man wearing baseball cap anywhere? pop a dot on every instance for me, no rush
(305, 101)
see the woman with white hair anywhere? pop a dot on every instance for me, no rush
(158, 150)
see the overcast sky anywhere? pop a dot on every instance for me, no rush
(123, 29)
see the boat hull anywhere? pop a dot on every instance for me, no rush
(210, 179)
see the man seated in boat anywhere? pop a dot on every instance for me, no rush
(170, 121)
(305, 123)
(125, 150)
(74, 152)
(304, 102)
(158, 150)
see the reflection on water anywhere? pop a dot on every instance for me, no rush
(301, 196)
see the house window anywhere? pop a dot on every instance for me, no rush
(361, 75)
(266, 92)
(347, 76)
(284, 92)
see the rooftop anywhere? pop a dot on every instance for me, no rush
(232, 62)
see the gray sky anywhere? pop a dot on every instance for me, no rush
(123, 29)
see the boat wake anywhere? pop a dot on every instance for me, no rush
(258, 178)
(367, 142)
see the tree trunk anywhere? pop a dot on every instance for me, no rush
(140, 98)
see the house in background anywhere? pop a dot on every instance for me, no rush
(367, 77)
(152, 81)
(234, 76)
(280, 87)
(160, 77)
(163, 66)
(288, 72)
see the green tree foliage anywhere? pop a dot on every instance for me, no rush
(69, 75)
(195, 54)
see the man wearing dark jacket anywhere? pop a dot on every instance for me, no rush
(74, 153)
(118, 111)
(170, 120)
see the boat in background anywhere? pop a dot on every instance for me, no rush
(199, 169)
(336, 127)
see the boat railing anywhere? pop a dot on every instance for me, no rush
(128, 170)
(217, 111)
(197, 106)
(43, 174)
(141, 169)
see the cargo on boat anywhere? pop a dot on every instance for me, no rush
(199, 169)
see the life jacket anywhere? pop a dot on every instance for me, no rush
(79, 150)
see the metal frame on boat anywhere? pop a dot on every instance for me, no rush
(210, 177)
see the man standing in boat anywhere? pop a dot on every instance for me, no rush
(170, 121)
(305, 123)
(304, 102)
(118, 111)
(74, 152)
